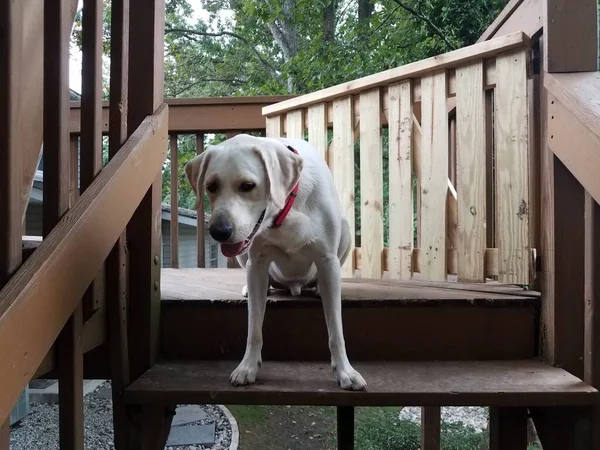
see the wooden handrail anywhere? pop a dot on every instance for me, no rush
(417, 69)
(41, 296)
(574, 125)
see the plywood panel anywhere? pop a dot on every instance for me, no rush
(512, 168)
(295, 124)
(434, 176)
(471, 171)
(371, 184)
(317, 128)
(274, 126)
(341, 163)
(400, 184)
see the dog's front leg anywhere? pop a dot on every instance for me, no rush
(257, 279)
(330, 287)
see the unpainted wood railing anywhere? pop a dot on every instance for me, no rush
(458, 123)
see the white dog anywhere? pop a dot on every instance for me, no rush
(275, 207)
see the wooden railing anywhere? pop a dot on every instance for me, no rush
(471, 168)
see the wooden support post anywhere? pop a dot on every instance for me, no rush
(57, 32)
(430, 427)
(11, 23)
(200, 213)
(116, 263)
(508, 428)
(174, 202)
(345, 427)
(91, 122)
(146, 56)
(564, 428)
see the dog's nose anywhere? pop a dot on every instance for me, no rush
(221, 231)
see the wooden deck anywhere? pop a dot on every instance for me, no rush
(226, 284)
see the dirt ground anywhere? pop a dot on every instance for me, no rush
(286, 427)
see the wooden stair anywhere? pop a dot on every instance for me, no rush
(527, 383)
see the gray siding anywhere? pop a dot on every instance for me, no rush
(33, 219)
(188, 253)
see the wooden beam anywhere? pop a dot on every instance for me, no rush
(430, 427)
(591, 269)
(146, 59)
(508, 428)
(561, 428)
(51, 282)
(571, 35)
(417, 69)
(517, 15)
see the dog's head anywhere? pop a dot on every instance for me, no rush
(242, 177)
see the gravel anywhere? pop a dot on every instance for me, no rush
(39, 430)
(469, 416)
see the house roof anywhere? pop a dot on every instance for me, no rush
(186, 216)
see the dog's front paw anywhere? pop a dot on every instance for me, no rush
(244, 374)
(350, 379)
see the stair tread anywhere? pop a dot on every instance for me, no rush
(208, 285)
(422, 383)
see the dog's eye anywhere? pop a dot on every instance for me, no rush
(247, 187)
(212, 187)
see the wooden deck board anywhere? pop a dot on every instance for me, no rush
(492, 383)
(226, 284)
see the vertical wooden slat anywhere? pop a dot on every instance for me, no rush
(317, 128)
(430, 427)
(295, 124)
(146, 60)
(200, 231)
(116, 263)
(11, 26)
(274, 127)
(591, 269)
(512, 167)
(74, 189)
(434, 176)
(174, 202)
(371, 185)
(401, 238)
(91, 120)
(508, 428)
(57, 30)
(471, 169)
(345, 427)
(341, 163)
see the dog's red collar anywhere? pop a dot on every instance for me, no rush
(279, 218)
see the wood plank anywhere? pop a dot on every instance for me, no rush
(371, 185)
(74, 175)
(591, 268)
(508, 428)
(174, 202)
(517, 15)
(430, 427)
(200, 221)
(495, 383)
(434, 176)
(146, 83)
(512, 168)
(295, 124)
(91, 121)
(471, 171)
(413, 70)
(36, 298)
(341, 164)
(345, 427)
(564, 427)
(116, 263)
(317, 128)
(274, 126)
(571, 36)
(401, 180)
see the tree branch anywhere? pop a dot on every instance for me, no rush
(426, 19)
(230, 34)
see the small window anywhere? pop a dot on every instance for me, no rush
(213, 255)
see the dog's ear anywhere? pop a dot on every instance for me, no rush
(195, 170)
(283, 169)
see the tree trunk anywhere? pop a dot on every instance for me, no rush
(285, 33)
(365, 9)
(329, 21)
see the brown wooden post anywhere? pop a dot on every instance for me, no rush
(200, 228)
(508, 428)
(116, 263)
(430, 427)
(174, 202)
(345, 427)
(91, 122)
(11, 23)
(57, 33)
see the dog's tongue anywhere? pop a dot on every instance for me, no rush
(231, 250)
